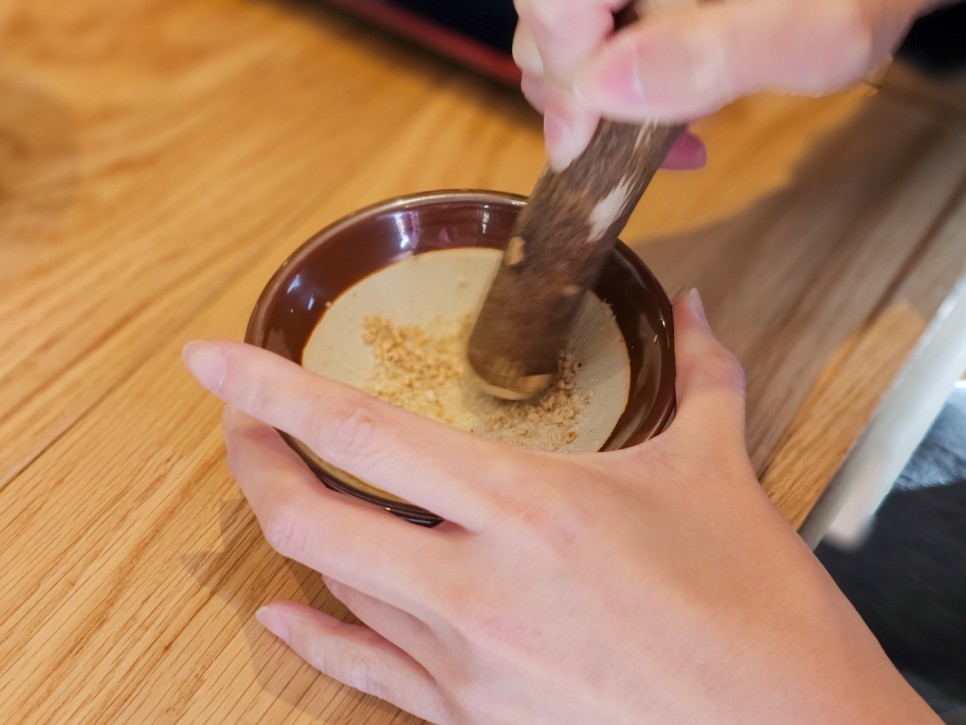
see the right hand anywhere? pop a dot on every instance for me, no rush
(681, 63)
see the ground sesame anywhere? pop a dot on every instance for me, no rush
(424, 370)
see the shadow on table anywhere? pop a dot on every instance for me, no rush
(246, 573)
(791, 278)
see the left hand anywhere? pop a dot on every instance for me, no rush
(652, 584)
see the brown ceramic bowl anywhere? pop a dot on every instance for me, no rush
(368, 240)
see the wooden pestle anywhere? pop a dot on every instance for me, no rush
(556, 252)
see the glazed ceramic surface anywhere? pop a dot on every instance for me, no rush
(337, 258)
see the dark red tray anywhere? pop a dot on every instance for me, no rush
(431, 29)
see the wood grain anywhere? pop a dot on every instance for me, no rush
(870, 361)
(790, 278)
(174, 198)
(158, 160)
(558, 248)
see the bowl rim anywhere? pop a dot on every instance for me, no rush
(255, 332)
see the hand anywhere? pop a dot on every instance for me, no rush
(654, 584)
(680, 63)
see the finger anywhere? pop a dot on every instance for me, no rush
(525, 52)
(567, 128)
(534, 90)
(327, 531)
(567, 134)
(567, 32)
(356, 656)
(415, 458)
(683, 64)
(687, 153)
(710, 384)
(563, 34)
(397, 626)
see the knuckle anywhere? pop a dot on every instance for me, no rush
(728, 370)
(344, 430)
(350, 666)
(540, 510)
(533, 90)
(485, 623)
(549, 15)
(531, 82)
(250, 392)
(470, 611)
(282, 526)
(847, 46)
(360, 665)
(686, 364)
(359, 673)
(855, 38)
(241, 444)
(525, 52)
(718, 366)
(552, 519)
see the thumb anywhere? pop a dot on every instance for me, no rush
(710, 383)
(679, 65)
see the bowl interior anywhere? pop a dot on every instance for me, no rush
(341, 255)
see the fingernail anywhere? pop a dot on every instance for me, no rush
(697, 306)
(688, 153)
(206, 362)
(271, 621)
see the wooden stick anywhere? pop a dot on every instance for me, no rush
(558, 248)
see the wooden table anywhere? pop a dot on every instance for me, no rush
(159, 159)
